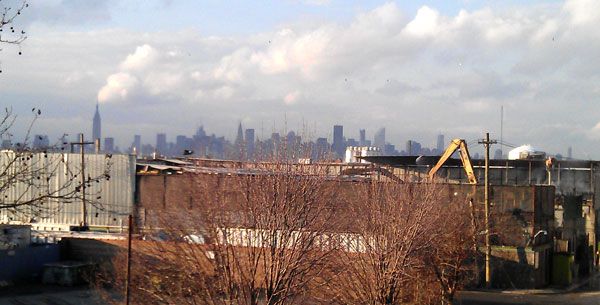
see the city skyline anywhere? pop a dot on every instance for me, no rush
(336, 144)
(244, 144)
(416, 68)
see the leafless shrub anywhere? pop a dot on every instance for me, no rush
(452, 259)
(411, 244)
(246, 238)
(283, 233)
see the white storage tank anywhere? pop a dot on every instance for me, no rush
(525, 152)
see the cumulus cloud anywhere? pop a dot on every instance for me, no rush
(583, 12)
(146, 75)
(468, 64)
(143, 57)
(379, 68)
(119, 87)
(425, 23)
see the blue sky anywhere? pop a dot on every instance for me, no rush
(216, 17)
(416, 68)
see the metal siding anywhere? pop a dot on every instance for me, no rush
(117, 194)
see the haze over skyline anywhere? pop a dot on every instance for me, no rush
(416, 68)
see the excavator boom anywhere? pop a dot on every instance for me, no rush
(464, 158)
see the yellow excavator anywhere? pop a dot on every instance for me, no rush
(464, 157)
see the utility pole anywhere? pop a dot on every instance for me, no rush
(488, 248)
(127, 283)
(82, 144)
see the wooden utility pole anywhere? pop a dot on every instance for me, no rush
(83, 207)
(488, 248)
(130, 229)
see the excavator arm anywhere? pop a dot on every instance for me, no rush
(464, 158)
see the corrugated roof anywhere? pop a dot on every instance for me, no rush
(109, 201)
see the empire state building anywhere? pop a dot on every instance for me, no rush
(96, 131)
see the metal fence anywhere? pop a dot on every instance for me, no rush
(108, 200)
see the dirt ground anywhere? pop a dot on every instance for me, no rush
(38, 294)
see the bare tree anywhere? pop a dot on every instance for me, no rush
(37, 182)
(452, 258)
(393, 226)
(10, 34)
(251, 237)
(406, 243)
(9, 14)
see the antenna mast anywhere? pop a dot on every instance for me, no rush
(501, 130)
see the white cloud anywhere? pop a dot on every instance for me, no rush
(583, 12)
(379, 68)
(149, 75)
(224, 92)
(143, 57)
(425, 23)
(119, 87)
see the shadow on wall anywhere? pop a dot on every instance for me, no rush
(90, 250)
(25, 264)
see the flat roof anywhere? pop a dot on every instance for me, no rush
(400, 161)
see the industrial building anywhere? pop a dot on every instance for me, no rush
(552, 201)
(571, 235)
(109, 198)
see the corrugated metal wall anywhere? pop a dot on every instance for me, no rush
(108, 202)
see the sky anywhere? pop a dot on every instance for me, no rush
(417, 68)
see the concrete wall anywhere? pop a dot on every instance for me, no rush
(524, 268)
(23, 264)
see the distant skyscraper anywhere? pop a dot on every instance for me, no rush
(440, 142)
(200, 132)
(109, 145)
(379, 139)
(290, 138)
(338, 140)
(276, 141)
(415, 148)
(180, 145)
(352, 142)
(96, 128)
(338, 134)
(41, 141)
(321, 149)
(570, 153)
(498, 154)
(239, 139)
(363, 137)
(390, 149)
(136, 146)
(249, 136)
(161, 143)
